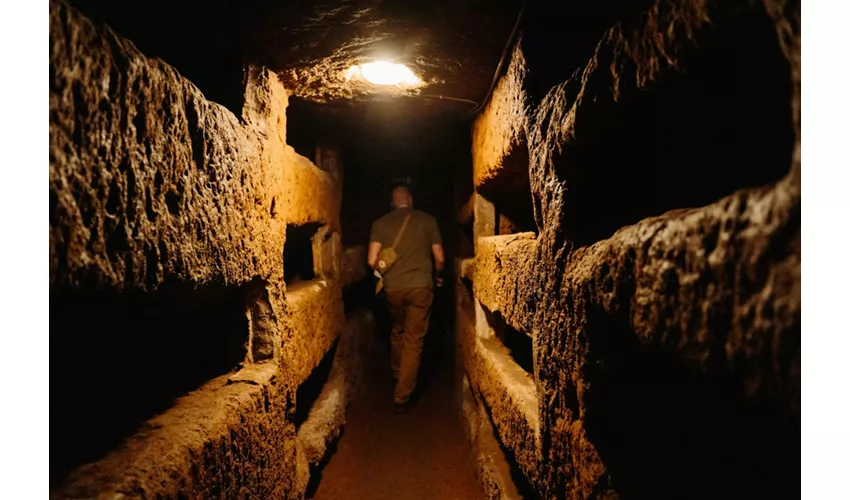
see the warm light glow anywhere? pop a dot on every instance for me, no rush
(384, 73)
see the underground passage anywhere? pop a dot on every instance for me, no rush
(589, 216)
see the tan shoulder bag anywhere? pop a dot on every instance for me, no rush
(387, 256)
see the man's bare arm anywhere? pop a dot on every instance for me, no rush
(439, 257)
(374, 249)
(439, 261)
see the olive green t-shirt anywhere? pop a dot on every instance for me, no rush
(413, 267)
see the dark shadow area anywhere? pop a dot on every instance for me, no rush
(666, 430)
(382, 143)
(359, 295)
(316, 470)
(309, 391)
(198, 39)
(465, 235)
(517, 343)
(468, 289)
(520, 346)
(510, 194)
(689, 139)
(298, 262)
(121, 358)
(523, 486)
(571, 33)
(303, 139)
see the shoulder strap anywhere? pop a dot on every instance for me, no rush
(401, 231)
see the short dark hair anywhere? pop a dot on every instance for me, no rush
(400, 183)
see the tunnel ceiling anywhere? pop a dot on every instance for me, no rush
(453, 45)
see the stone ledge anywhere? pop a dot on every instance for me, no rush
(502, 269)
(512, 381)
(508, 392)
(712, 294)
(315, 320)
(499, 129)
(492, 467)
(309, 194)
(326, 419)
(466, 213)
(215, 434)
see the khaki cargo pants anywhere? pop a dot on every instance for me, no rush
(411, 310)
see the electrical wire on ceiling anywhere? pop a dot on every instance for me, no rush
(505, 51)
(446, 98)
(478, 106)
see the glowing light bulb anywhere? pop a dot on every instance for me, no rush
(384, 73)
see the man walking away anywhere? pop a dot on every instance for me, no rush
(409, 283)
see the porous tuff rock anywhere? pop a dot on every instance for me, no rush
(327, 417)
(506, 390)
(148, 180)
(230, 438)
(501, 126)
(353, 266)
(669, 26)
(667, 356)
(314, 322)
(496, 258)
(149, 184)
(309, 194)
(664, 65)
(711, 294)
(492, 468)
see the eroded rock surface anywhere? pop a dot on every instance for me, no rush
(176, 210)
(666, 354)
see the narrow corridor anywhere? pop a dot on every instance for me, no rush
(421, 454)
(611, 199)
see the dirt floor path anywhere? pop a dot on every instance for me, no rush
(421, 454)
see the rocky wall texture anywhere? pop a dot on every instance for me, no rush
(309, 194)
(492, 468)
(148, 180)
(354, 267)
(501, 126)
(661, 87)
(505, 388)
(214, 442)
(327, 416)
(667, 355)
(499, 279)
(314, 323)
(170, 206)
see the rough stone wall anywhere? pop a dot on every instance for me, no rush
(152, 185)
(309, 194)
(148, 179)
(667, 356)
(315, 322)
(327, 417)
(501, 126)
(354, 268)
(212, 443)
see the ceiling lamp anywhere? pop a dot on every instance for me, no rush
(384, 73)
